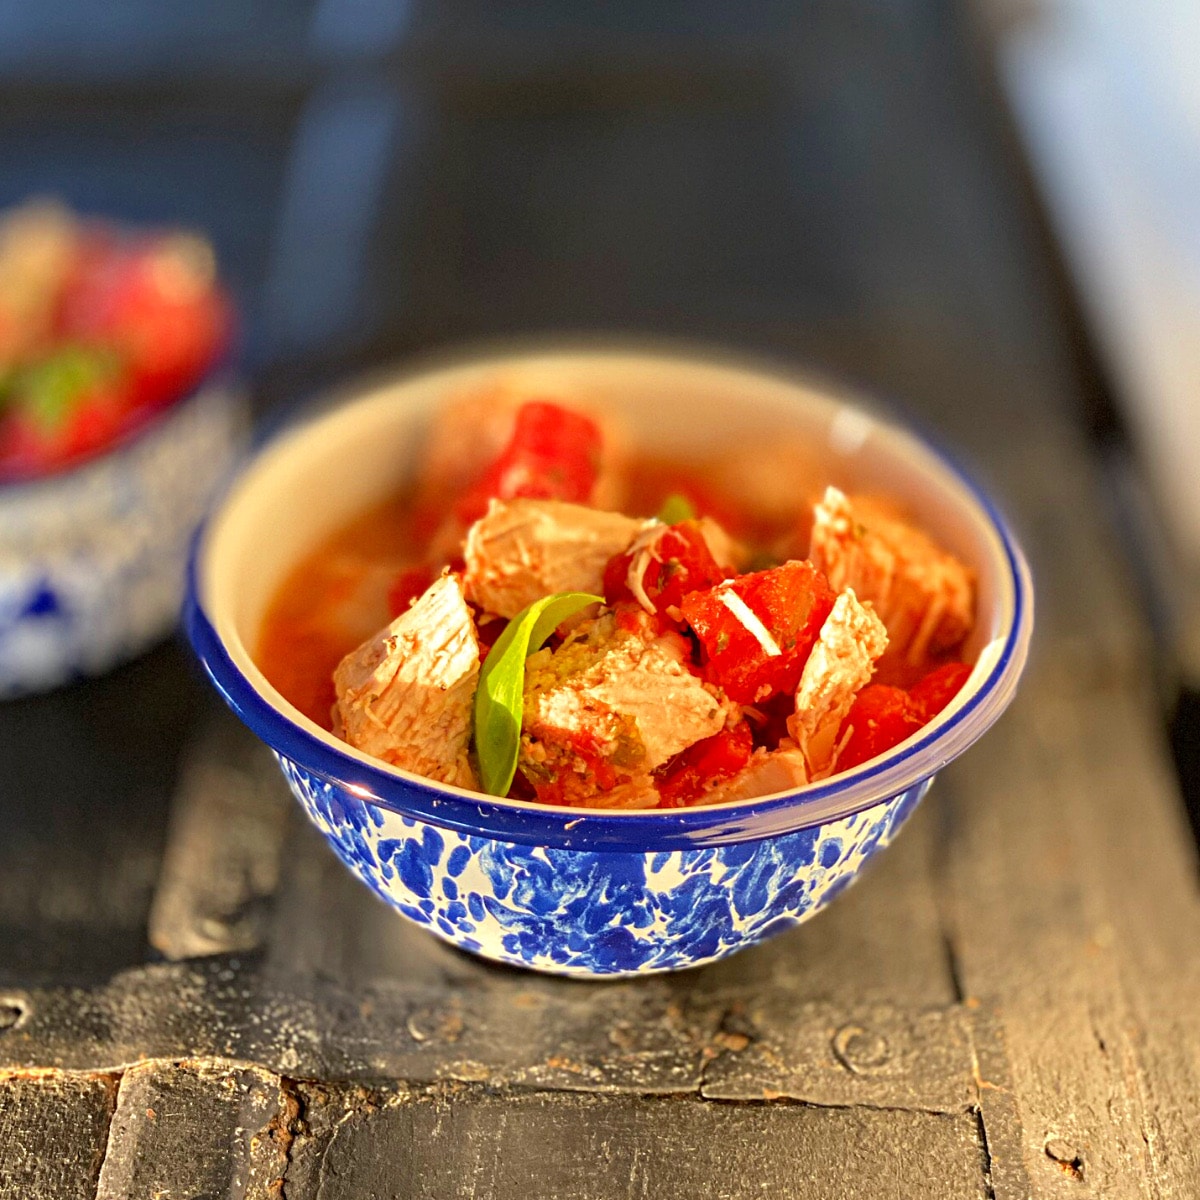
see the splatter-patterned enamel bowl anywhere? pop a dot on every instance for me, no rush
(93, 559)
(590, 892)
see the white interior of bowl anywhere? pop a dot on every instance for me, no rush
(315, 478)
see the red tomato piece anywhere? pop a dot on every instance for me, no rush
(406, 587)
(589, 772)
(881, 717)
(100, 416)
(63, 407)
(681, 563)
(553, 454)
(488, 633)
(683, 779)
(156, 301)
(938, 688)
(24, 450)
(789, 603)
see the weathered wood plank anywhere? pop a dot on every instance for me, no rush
(504, 1147)
(999, 1116)
(451, 1016)
(221, 863)
(86, 770)
(53, 1131)
(873, 1056)
(624, 1037)
(202, 1130)
(1073, 895)
(644, 1038)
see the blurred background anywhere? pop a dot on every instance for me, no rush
(830, 176)
(942, 199)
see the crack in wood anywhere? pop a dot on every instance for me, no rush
(986, 1152)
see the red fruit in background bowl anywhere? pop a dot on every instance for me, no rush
(61, 408)
(155, 300)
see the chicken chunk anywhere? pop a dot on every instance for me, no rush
(767, 772)
(607, 708)
(406, 694)
(924, 595)
(522, 550)
(841, 663)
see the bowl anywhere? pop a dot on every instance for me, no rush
(590, 892)
(93, 558)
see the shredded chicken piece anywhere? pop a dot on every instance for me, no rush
(924, 595)
(522, 550)
(464, 437)
(406, 694)
(839, 666)
(610, 706)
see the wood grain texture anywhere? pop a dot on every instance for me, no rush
(220, 867)
(505, 1147)
(624, 1037)
(1076, 914)
(53, 1132)
(874, 1056)
(83, 814)
(198, 1131)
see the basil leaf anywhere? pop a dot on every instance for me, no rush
(675, 508)
(499, 699)
(50, 389)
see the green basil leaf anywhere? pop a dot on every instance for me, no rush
(51, 388)
(675, 508)
(499, 699)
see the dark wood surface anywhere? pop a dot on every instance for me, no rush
(197, 1000)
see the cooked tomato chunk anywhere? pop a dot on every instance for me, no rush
(553, 454)
(406, 587)
(700, 767)
(663, 565)
(757, 630)
(882, 716)
(939, 687)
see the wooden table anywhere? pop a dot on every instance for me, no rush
(196, 999)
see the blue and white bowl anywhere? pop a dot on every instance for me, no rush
(590, 892)
(93, 558)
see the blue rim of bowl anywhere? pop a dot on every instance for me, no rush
(634, 830)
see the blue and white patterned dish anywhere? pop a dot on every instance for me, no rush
(93, 559)
(592, 892)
